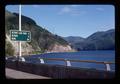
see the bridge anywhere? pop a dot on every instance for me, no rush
(59, 71)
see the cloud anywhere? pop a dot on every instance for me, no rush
(100, 9)
(71, 10)
(64, 10)
(35, 6)
(76, 13)
(74, 5)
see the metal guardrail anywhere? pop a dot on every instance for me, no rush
(68, 61)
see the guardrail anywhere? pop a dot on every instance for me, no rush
(68, 61)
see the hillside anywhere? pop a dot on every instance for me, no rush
(74, 39)
(103, 40)
(42, 40)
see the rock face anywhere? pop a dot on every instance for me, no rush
(42, 40)
(59, 48)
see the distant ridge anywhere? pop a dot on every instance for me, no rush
(74, 39)
(102, 40)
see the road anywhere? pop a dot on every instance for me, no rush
(14, 74)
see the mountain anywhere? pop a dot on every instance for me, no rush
(42, 40)
(102, 40)
(74, 39)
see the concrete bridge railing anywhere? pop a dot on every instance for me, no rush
(68, 61)
(60, 71)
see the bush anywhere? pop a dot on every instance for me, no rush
(9, 50)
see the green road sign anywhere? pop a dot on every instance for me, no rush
(20, 35)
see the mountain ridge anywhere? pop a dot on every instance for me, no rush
(101, 40)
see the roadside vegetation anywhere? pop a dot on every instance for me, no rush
(9, 50)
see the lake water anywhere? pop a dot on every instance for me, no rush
(107, 55)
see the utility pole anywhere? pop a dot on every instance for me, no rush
(19, 30)
(19, 35)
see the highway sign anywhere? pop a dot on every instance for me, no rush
(20, 35)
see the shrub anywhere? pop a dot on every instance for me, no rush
(9, 50)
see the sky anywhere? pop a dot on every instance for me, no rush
(70, 20)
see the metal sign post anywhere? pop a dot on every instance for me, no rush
(18, 35)
(19, 30)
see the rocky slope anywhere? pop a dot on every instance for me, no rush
(42, 40)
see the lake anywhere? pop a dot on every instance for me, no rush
(106, 55)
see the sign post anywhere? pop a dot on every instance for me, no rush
(19, 29)
(18, 35)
